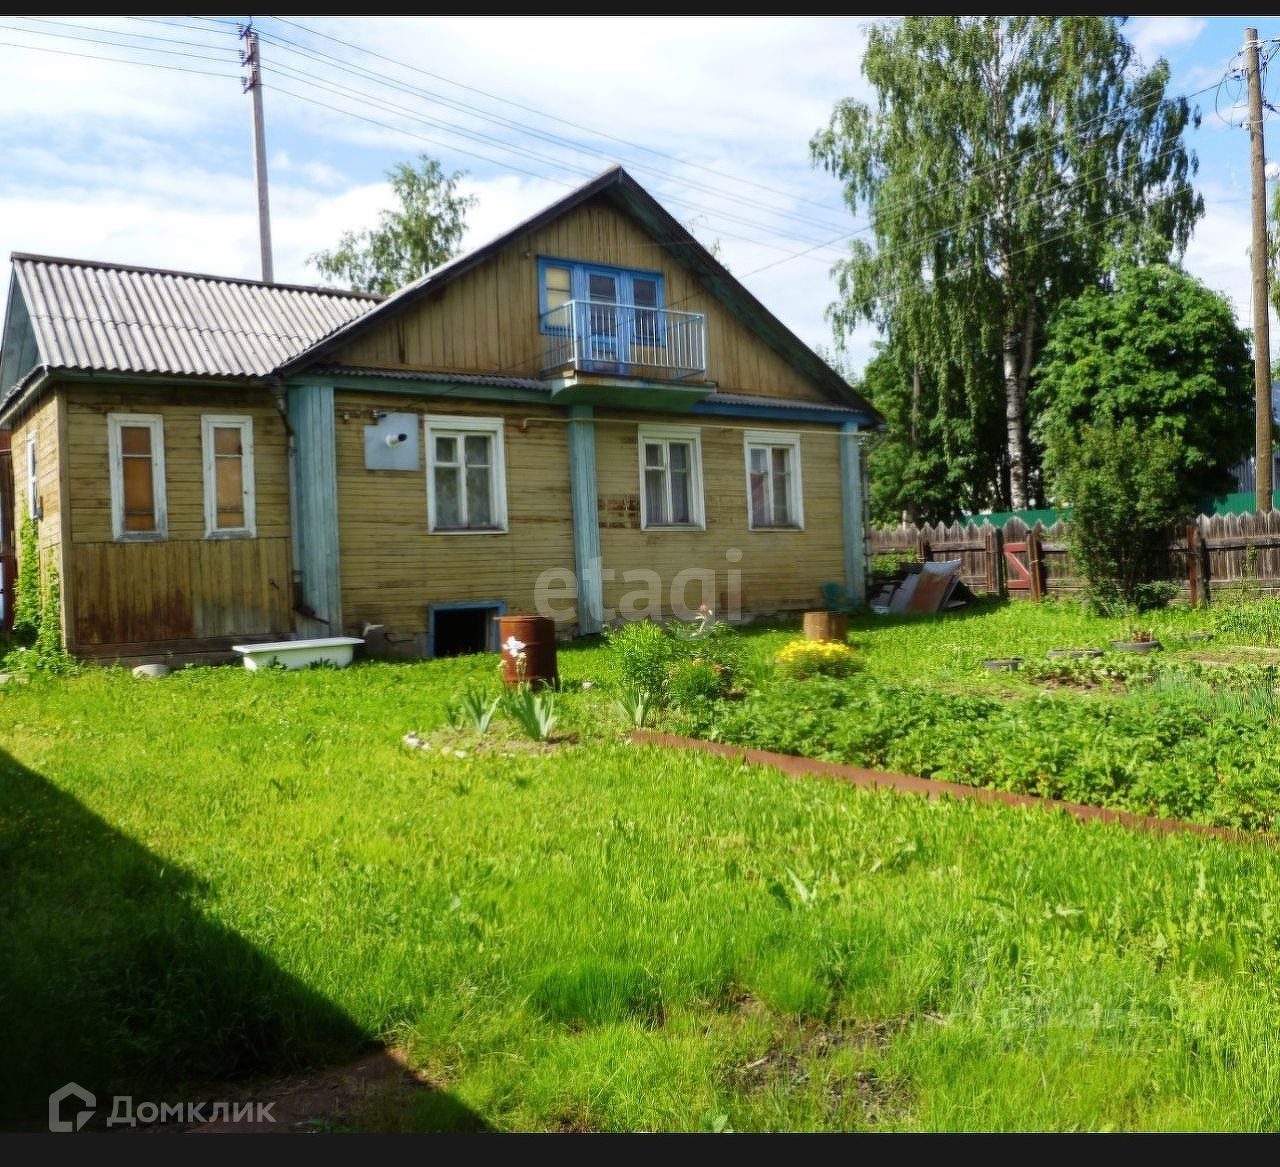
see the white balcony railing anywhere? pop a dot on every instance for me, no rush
(591, 337)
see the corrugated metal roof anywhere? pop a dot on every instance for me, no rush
(114, 318)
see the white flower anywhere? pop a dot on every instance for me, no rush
(513, 646)
(588, 684)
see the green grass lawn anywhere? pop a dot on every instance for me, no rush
(223, 874)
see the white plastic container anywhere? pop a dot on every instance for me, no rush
(297, 654)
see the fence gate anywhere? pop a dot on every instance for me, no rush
(1022, 567)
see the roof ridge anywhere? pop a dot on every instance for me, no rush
(31, 257)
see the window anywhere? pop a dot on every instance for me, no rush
(634, 299)
(644, 292)
(228, 476)
(773, 479)
(135, 447)
(466, 483)
(670, 476)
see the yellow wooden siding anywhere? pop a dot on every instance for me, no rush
(41, 420)
(184, 465)
(148, 593)
(779, 569)
(184, 587)
(486, 321)
(392, 568)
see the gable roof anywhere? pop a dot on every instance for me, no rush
(105, 317)
(621, 189)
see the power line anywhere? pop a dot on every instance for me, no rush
(119, 60)
(278, 88)
(366, 97)
(119, 32)
(524, 128)
(556, 118)
(341, 90)
(1025, 155)
(111, 44)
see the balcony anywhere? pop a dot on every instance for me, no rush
(622, 340)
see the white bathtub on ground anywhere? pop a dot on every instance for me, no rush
(297, 654)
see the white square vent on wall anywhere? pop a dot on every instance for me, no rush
(391, 443)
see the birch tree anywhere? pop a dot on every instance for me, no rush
(1005, 161)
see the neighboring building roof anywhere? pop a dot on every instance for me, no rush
(618, 186)
(116, 318)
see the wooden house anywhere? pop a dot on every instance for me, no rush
(588, 418)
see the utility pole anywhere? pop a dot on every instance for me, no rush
(1258, 256)
(253, 85)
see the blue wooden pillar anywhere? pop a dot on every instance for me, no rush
(852, 512)
(586, 519)
(315, 480)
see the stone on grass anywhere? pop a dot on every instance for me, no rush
(157, 670)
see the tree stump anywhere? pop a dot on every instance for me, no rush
(826, 626)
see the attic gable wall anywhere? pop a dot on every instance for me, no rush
(21, 351)
(486, 321)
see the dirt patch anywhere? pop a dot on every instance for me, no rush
(460, 745)
(378, 1093)
(799, 1056)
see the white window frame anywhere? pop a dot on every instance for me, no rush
(244, 423)
(448, 425)
(155, 423)
(667, 434)
(771, 439)
(33, 479)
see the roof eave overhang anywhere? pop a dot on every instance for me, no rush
(31, 386)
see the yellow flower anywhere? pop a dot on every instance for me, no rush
(799, 659)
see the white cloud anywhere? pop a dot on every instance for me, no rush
(1153, 36)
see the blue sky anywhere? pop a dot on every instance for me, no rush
(150, 162)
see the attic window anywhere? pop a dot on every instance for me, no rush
(560, 281)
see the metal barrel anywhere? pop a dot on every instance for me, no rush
(528, 647)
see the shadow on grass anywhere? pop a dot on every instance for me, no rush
(111, 977)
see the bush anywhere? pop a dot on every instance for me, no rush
(643, 653)
(1123, 488)
(801, 659)
(696, 679)
(1157, 593)
(651, 657)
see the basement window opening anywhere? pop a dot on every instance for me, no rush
(463, 629)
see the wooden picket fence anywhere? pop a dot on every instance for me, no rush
(1032, 562)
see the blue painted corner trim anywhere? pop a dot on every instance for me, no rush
(852, 512)
(311, 417)
(586, 519)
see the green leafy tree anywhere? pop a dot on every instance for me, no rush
(930, 465)
(1145, 402)
(1004, 156)
(1161, 349)
(422, 234)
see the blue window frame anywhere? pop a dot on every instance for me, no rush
(561, 280)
